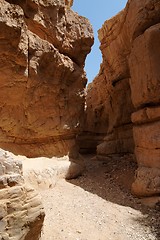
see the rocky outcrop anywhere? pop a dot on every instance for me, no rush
(43, 46)
(21, 211)
(126, 93)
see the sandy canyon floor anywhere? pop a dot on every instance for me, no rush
(99, 206)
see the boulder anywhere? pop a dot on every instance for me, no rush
(21, 210)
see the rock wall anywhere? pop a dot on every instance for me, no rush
(124, 99)
(43, 46)
(145, 87)
(96, 117)
(108, 101)
(21, 211)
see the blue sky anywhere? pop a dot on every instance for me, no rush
(97, 12)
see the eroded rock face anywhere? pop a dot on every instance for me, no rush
(109, 104)
(43, 46)
(145, 89)
(128, 90)
(21, 211)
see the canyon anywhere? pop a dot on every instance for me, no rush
(50, 120)
(43, 46)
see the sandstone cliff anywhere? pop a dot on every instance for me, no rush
(109, 104)
(43, 46)
(124, 99)
(21, 211)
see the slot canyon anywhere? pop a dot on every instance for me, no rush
(78, 161)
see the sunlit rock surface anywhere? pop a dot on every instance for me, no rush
(123, 101)
(43, 46)
(21, 211)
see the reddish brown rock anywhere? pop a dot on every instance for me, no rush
(43, 45)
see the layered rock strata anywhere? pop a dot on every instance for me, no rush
(126, 93)
(21, 211)
(43, 46)
(145, 84)
(109, 104)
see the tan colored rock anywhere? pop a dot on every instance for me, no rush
(146, 115)
(118, 142)
(115, 47)
(129, 112)
(147, 182)
(21, 211)
(111, 109)
(145, 89)
(43, 173)
(43, 47)
(144, 68)
(152, 202)
(108, 113)
(147, 142)
(95, 108)
(95, 126)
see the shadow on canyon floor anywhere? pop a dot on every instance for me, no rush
(111, 180)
